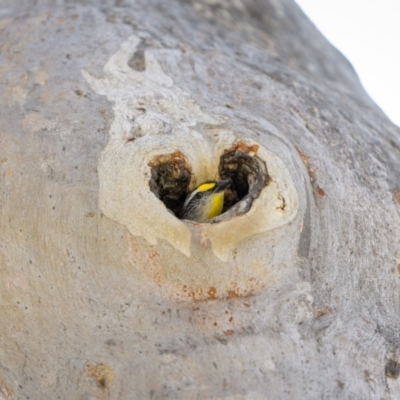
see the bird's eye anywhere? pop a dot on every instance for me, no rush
(198, 195)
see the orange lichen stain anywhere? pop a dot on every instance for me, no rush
(230, 319)
(398, 268)
(90, 214)
(321, 191)
(212, 293)
(251, 150)
(246, 305)
(198, 294)
(102, 374)
(303, 157)
(229, 332)
(232, 294)
(192, 295)
(195, 296)
(396, 195)
(248, 292)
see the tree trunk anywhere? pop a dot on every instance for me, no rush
(111, 112)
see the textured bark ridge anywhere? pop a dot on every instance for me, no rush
(111, 112)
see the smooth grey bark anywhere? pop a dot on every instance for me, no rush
(92, 293)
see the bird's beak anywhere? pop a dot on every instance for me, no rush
(220, 186)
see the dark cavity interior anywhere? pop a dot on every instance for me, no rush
(170, 178)
(246, 173)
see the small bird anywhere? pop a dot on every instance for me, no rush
(205, 202)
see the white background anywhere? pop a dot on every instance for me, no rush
(367, 32)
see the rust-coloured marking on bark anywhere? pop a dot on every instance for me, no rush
(229, 332)
(151, 263)
(252, 150)
(175, 157)
(321, 191)
(102, 374)
(232, 294)
(212, 293)
(396, 195)
(303, 157)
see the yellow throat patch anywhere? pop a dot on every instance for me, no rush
(216, 205)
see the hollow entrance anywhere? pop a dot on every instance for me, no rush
(170, 178)
(246, 173)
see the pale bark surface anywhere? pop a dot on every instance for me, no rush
(104, 294)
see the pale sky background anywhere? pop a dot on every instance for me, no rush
(367, 32)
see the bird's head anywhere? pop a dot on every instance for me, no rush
(205, 202)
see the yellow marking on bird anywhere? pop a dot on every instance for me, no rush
(206, 186)
(216, 205)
